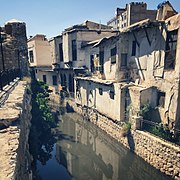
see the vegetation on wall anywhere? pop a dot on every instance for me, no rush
(126, 129)
(41, 112)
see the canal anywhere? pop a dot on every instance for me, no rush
(84, 152)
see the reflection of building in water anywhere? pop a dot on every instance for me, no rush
(86, 157)
(87, 153)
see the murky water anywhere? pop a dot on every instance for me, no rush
(84, 152)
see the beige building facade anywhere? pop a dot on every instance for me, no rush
(41, 59)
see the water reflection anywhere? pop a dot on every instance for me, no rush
(85, 152)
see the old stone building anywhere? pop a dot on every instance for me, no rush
(14, 47)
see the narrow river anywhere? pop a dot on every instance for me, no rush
(84, 152)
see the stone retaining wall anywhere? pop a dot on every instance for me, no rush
(15, 116)
(161, 154)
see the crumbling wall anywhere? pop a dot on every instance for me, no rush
(15, 126)
(15, 47)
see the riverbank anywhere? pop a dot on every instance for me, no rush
(161, 154)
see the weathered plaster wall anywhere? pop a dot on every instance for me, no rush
(89, 95)
(159, 153)
(15, 126)
(41, 51)
(149, 62)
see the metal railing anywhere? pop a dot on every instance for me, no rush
(8, 76)
(162, 131)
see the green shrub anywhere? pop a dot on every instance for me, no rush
(41, 112)
(126, 129)
(162, 131)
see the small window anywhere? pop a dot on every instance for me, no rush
(31, 56)
(60, 52)
(74, 50)
(113, 55)
(111, 94)
(133, 48)
(170, 54)
(161, 99)
(123, 59)
(100, 91)
(44, 78)
(101, 61)
(54, 78)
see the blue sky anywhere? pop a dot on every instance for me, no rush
(51, 17)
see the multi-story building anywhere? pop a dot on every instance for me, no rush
(71, 56)
(132, 13)
(40, 60)
(140, 66)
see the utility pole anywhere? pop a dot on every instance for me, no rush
(2, 54)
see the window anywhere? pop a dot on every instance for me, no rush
(123, 59)
(54, 78)
(170, 54)
(44, 78)
(62, 80)
(92, 63)
(60, 52)
(161, 99)
(133, 48)
(113, 55)
(100, 91)
(31, 56)
(74, 50)
(101, 61)
(111, 94)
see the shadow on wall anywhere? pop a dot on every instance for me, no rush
(131, 141)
